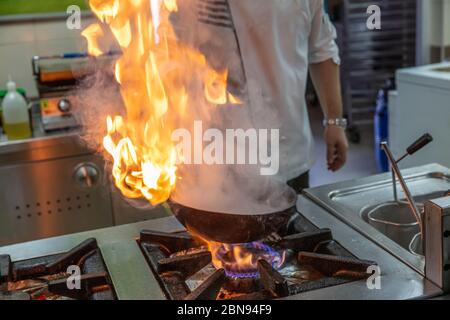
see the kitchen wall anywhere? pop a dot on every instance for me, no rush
(434, 30)
(22, 38)
(25, 37)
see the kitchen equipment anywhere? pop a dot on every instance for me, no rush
(421, 105)
(313, 260)
(399, 220)
(437, 242)
(236, 225)
(416, 245)
(411, 150)
(397, 225)
(55, 185)
(47, 278)
(56, 112)
(229, 228)
(58, 196)
(416, 146)
(394, 219)
(352, 200)
(56, 80)
(134, 279)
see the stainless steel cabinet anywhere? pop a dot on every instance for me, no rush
(55, 186)
(50, 198)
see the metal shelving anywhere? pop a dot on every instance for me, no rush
(369, 57)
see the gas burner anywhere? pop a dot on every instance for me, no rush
(302, 260)
(46, 278)
(240, 261)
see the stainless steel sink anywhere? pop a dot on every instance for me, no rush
(393, 219)
(353, 201)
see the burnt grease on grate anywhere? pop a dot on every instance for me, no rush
(183, 266)
(46, 278)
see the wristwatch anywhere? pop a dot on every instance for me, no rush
(338, 122)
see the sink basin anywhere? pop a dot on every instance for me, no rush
(397, 222)
(367, 205)
(393, 219)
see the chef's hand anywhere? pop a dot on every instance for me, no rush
(337, 146)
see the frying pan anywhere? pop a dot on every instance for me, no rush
(241, 227)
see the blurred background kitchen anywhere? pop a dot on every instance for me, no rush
(396, 86)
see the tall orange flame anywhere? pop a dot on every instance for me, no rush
(159, 80)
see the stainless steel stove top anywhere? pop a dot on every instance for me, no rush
(133, 278)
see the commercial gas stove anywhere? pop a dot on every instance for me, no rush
(302, 259)
(316, 257)
(47, 277)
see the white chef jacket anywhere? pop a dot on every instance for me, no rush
(276, 41)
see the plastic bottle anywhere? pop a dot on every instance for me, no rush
(16, 120)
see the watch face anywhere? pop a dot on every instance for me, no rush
(340, 122)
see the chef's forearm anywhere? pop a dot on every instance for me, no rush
(326, 80)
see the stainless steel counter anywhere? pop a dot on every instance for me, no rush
(398, 281)
(133, 279)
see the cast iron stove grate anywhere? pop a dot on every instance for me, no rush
(183, 268)
(46, 278)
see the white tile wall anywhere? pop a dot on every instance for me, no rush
(19, 42)
(15, 61)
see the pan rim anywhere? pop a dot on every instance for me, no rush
(290, 205)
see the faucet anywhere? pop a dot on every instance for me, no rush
(396, 174)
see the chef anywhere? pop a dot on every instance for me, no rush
(269, 46)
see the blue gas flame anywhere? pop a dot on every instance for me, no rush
(258, 250)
